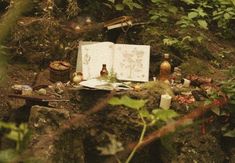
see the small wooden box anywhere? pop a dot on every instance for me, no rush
(59, 71)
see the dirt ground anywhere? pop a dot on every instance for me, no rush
(188, 145)
(33, 49)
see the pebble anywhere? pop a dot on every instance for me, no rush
(42, 91)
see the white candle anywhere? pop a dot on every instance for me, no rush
(165, 102)
(186, 83)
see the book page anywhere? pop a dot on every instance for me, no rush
(131, 62)
(94, 56)
(79, 56)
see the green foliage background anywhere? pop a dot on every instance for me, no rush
(2, 65)
(7, 22)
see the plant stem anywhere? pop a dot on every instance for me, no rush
(139, 142)
(117, 159)
(18, 141)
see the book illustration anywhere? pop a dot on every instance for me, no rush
(128, 62)
(79, 56)
(86, 61)
(93, 57)
(133, 62)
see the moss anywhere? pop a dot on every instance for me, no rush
(158, 87)
(70, 147)
(196, 66)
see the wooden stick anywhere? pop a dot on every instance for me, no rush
(171, 127)
(168, 128)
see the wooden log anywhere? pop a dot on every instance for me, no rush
(36, 98)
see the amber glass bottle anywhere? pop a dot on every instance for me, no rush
(104, 71)
(165, 69)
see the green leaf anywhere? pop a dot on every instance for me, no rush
(200, 39)
(187, 38)
(128, 102)
(216, 17)
(156, 1)
(8, 125)
(192, 15)
(152, 12)
(203, 24)
(108, 5)
(229, 9)
(216, 110)
(201, 12)
(131, 7)
(189, 1)
(154, 17)
(170, 41)
(16, 133)
(230, 133)
(8, 155)
(164, 115)
(13, 135)
(115, 101)
(173, 9)
(182, 21)
(24, 128)
(214, 13)
(164, 20)
(227, 16)
(145, 113)
(233, 2)
(136, 5)
(119, 7)
(232, 102)
(112, 1)
(232, 13)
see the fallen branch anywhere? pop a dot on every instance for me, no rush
(171, 127)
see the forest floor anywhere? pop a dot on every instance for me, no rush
(78, 143)
(188, 145)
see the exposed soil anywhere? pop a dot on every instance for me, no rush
(33, 49)
(81, 143)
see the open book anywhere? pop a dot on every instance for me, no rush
(127, 62)
(97, 84)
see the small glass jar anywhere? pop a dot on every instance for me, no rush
(104, 71)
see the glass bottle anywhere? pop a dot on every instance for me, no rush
(177, 75)
(165, 69)
(104, 71)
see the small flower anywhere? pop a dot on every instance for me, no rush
(217, 102)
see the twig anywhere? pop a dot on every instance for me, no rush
(140, 140)
(184, 120)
